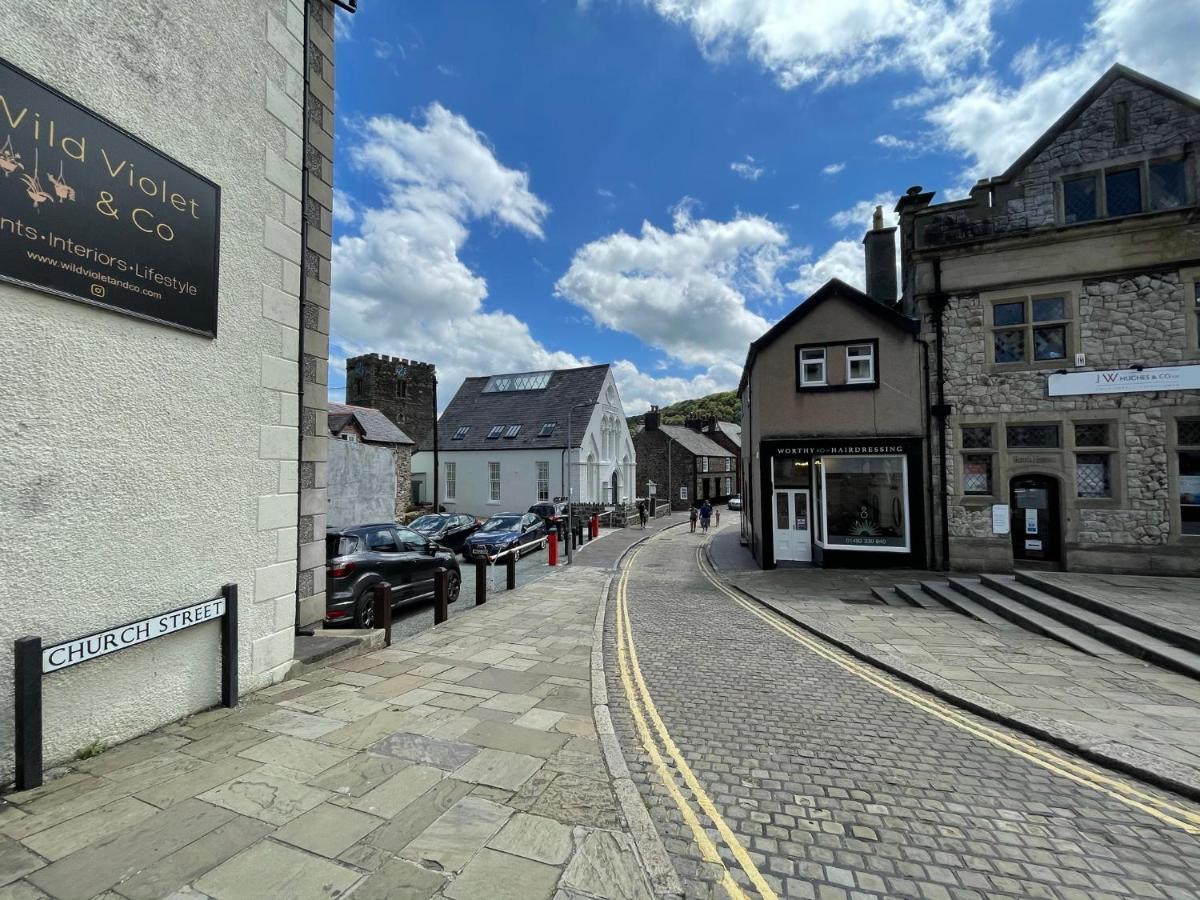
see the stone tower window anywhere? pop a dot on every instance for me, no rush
(402, 389)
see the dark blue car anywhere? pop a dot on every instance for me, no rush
(504, 532)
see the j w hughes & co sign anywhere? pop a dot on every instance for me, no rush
(90, 212)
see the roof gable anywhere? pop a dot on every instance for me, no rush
(833, 288)
(479, 411)
(692, 441)
(1115, 73)
(376, 428)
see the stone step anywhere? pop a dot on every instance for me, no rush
(1007, 607)
(1113, 634)
(913, 594)
(888, 596)
(1170, 634)
(949, 593)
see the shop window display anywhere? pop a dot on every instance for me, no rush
(865, 503)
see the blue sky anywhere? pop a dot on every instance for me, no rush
(524, 185)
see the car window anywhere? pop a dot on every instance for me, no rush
(426, 523)
(411, 541)
(501, 523)
(382, 540)
(340, 545)
(465, 521)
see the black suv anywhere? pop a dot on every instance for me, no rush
(360, 557)
(551, 512)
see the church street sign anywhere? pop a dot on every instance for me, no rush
(92, 213)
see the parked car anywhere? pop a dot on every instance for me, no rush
(447, 529)
(361, 557)
(505, 531)
(551, 511)
(735, 502)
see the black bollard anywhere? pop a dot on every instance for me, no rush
(383, 610)
(510, 566)
(480, 582)
(441, 595)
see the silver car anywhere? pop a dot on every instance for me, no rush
(735, 503)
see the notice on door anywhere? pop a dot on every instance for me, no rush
(1000, 518)
(1031, 522)
(92, 213)
(1033, 545)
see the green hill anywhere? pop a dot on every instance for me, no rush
(724, 406)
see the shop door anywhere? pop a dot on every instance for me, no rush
(1035, 519)
(792, 529)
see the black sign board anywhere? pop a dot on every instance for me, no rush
(90, 212)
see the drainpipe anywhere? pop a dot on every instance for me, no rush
(941, 409)
(928, 454)
(304, 632)
(437, 503)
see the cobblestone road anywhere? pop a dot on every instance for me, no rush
(834, 787)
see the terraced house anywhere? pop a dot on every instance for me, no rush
(1061, 305)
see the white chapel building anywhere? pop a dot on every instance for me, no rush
(503, 443)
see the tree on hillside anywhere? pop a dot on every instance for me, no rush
(723, 406)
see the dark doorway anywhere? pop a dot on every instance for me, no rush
(616, 487)
(1036, 528)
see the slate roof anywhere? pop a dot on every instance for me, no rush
(529, 409)
(376, 427)
(731, 430)
(693, 441)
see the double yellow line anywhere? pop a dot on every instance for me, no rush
(1118, 789)
(661, 748)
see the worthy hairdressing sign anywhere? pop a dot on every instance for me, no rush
(90, 212)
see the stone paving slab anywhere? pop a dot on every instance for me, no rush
(1146, 717)
(462, 763)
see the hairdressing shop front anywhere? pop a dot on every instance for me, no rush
(853, 503)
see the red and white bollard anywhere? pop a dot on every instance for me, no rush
(552, 549)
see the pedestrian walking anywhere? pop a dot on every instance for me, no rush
(717, 513)
(693, 515)
(705, 515)
(642, 513)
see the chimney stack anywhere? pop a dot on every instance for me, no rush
(880, 246)
(651, 421)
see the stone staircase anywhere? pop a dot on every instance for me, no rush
(1092, 625)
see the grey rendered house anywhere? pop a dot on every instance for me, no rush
(833, 428)
(1061, 302)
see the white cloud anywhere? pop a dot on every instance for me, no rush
(604, 192)
(747, 168)
(859, 215)
(844, 260)
(343, 207)
(639, 390)
(399, 285)
(343, 25)
(833, 168)
(891, 142)
(802, 41)
(992, 123)
(683, 290)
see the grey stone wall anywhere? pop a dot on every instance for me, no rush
(1134, 319)
(409, 401)
(1156, 124)
(669, 466)
(362, 484)
(314, 312)
(402, 457)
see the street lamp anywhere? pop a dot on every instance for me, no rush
(570, 497)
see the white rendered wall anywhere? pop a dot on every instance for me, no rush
(142, 467)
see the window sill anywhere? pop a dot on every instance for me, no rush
(979, 500)
(1098, 503)
(1040, 365)
(827, 388)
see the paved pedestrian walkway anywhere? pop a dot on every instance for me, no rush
(775, 765)
(1118, 708)
(461, 763)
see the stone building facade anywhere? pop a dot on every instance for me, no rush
(686, 465)
(1076, 269)
(317, 249)
(404, 390)
(216, 496)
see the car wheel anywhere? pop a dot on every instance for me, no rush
(544, 544)
(364, 611)
(453, 585)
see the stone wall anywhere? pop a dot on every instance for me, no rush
(668, 465)
(1134, 319)
(410, 401)
(402, 457)
(1156, 124)
(318, 251)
